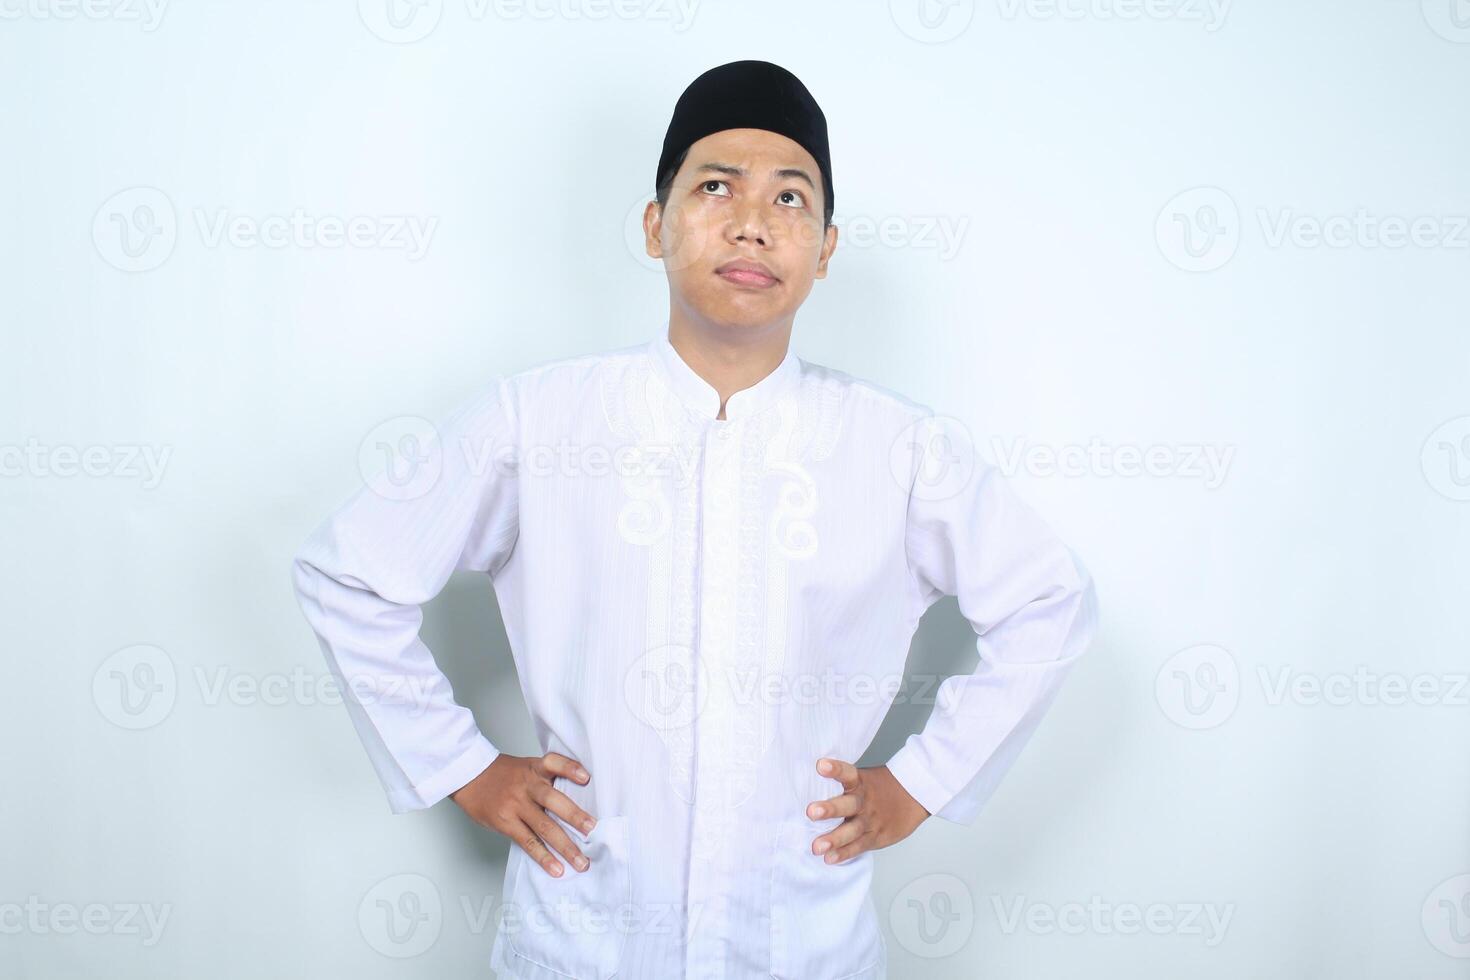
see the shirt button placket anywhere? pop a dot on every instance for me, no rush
(707, 952)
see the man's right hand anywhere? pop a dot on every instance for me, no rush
(513, 796)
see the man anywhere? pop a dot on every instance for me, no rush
(710, 557)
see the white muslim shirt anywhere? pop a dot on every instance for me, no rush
(698, 609)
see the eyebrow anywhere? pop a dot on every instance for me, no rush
(732, 171)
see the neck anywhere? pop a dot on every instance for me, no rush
(730, 360)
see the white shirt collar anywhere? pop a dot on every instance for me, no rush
(701, 396)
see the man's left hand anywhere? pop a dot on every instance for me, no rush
(879, 812)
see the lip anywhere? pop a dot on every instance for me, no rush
(742, 272)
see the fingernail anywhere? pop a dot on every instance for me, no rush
(818, 811)
(831, 858)
(825, 766)
(822, 846)
(581, 864)
(587, 827)
(582, 774)
(556, 870)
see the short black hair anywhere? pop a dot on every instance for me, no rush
(666, 184)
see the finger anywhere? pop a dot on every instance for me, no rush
(530, 842)
(559, 765)
(557, 840)
(846, 852)
(559, 803)
(839, 836)
(844, 772)
(846, 805)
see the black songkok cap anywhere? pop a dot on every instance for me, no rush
(749, 95)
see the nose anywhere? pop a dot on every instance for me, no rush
(751, 225)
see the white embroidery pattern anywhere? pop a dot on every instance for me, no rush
(736, 616)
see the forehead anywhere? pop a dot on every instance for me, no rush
(757, 150)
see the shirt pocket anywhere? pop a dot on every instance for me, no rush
(823, 922)
(571, 926)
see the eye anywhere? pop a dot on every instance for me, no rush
(714, 183)
(800, 198)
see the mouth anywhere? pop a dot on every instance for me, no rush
(749, 274)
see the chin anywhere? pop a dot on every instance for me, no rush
(737, 318)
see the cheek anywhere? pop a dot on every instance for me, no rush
(686, 236)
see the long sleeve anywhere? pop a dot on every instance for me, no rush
(1033, 608)
(363, 574)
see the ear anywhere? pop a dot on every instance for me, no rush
(653, 221)
(829, 245)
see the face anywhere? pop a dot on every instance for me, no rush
(741, 236)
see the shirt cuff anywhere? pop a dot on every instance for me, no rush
(920, 783)
(470, 763)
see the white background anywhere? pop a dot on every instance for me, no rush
(1034, 170)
